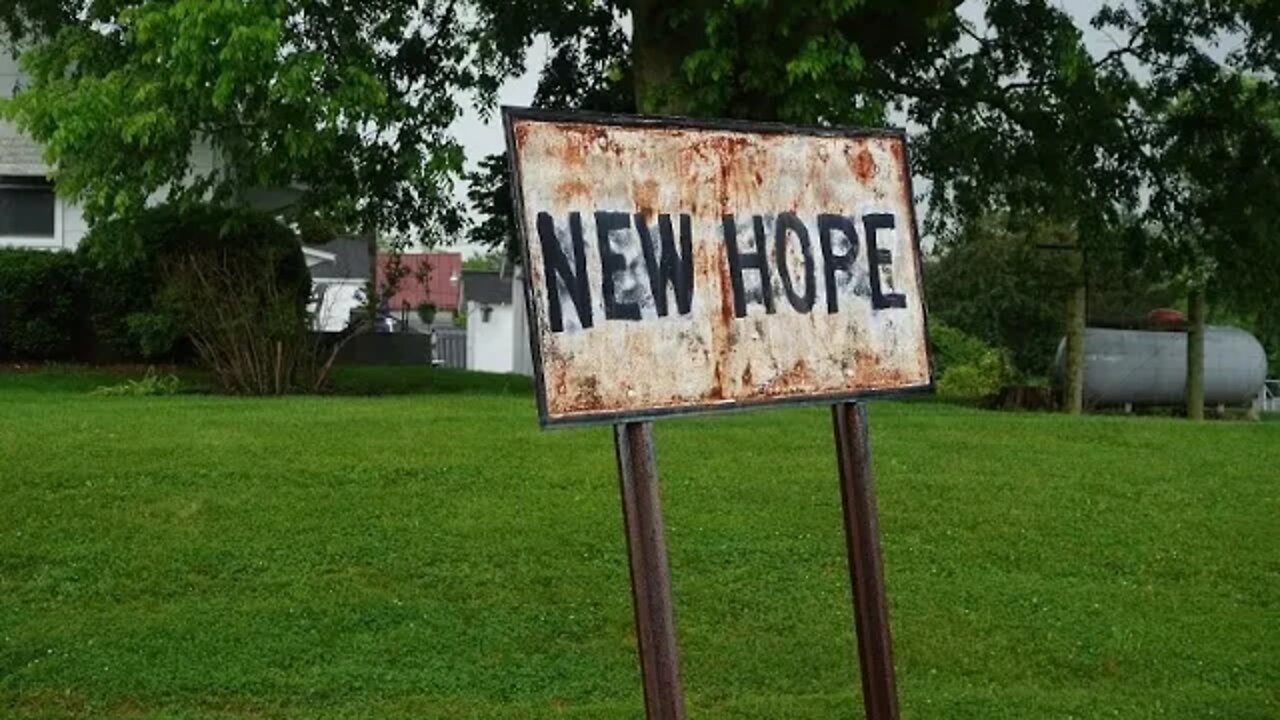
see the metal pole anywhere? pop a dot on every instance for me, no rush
(862, 540)
(650, 574)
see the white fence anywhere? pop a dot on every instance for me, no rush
(1269, 400)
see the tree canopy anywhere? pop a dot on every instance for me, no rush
(348, 101)
(1157, 149)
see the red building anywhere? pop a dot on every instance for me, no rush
(443, 274)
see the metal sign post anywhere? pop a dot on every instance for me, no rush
(650, 574)
(677, 266)
(866, 575)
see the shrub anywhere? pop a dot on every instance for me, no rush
(122, 280)
(953, 347)
(967, 367)
(149, 385)
(154, 333)
(41, 296)
(980, 380)
(230, 284)
(238, 285)
(427, 313)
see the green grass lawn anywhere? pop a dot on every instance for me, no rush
(434, 555)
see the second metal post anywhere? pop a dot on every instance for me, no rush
(866, 575)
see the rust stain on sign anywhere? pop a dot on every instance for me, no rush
(676, 266)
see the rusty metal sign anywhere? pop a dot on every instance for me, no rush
(678, 266)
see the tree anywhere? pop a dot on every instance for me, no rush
(26, 20)
(588, 69)
(993, 282)
(1217, 210)
(1148, 144)
(1022, 120)
(1211, 142)
(492, 260)
(347, 100)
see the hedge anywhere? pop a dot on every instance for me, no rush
(105, 301)
(42, 306)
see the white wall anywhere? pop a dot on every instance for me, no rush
(520, 327)
(340, 298)
(490, 346)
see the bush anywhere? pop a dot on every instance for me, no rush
(427, 313)
(981, 380)
(952, 347)
(967, 367)
(150, 385)
(122, 278)
(231, 285)
(238, 285)
(41, 296)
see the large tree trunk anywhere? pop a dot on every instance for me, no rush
(1195, 354)
(657, 52)
(1073, 370)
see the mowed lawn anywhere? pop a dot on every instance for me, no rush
(435, 555)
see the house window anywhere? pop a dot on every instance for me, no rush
(26, 207)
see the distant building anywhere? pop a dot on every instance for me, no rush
(497, 331)
(442, 272)
(31, 213)
(340, 273)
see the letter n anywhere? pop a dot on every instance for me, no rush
(558, 273)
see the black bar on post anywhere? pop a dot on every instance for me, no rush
(650, 574)
(862, 539)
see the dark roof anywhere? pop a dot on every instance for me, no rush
(487, 287)
(352, 261)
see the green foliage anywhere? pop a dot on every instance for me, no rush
(491, 260)
(796, 62)
(426, 312)
(1214, 222)
(122, 280)
(347, 100)
(991, 281)
(41, 305)
(238, 284)
(1006, 280)
(1020, 119)
(951, 347)
(489, 192)
(233, 283)
(981, 380)
(150, 385)
(154, 333)
(967, 367)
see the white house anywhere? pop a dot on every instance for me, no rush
(31, 215)
(340, 273)
(497, 328)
